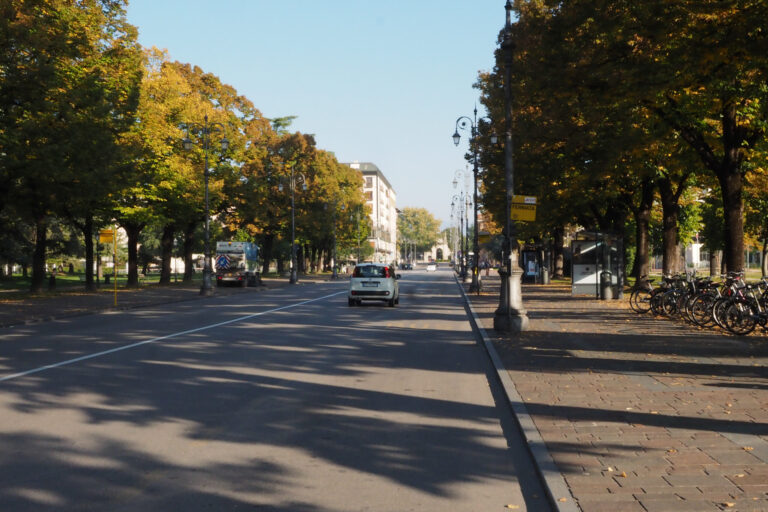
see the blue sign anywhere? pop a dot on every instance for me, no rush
(222, 262)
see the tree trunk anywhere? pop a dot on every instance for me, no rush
(558, 250)
(731, 184)
(38, 257)
(642, 226)
(189, 244)
(670, 214)
(266, 253)
(133, 230)
(166, 253)
(764, 261)
(715, 267)
(90, 286)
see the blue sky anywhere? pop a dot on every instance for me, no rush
(376, 81)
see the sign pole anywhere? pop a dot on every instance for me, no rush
(114, 259)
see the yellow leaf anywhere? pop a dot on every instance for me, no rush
(513, 506)
(748, 448)
(563, 499)
(623, 474)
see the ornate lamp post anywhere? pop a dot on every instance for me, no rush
(510, 316)
(292, 182)
(462, 202)
(203, 131)
(462, 122)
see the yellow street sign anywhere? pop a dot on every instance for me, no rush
(483, 239)
(106, 236)
(523, 208)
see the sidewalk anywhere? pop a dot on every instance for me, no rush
(74, 303)
(638, 414)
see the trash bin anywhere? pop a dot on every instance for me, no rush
(606, 286)
(544, 275)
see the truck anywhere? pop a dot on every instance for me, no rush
(237, 263)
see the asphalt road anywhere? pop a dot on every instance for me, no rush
(286, 400)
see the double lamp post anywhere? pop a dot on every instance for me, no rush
(463, 122)
(204, 131)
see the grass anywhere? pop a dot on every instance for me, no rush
(19, 285)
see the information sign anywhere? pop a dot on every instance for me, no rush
(523, 208)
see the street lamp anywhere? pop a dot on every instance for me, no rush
(462, 122)
(510, 316)
(463, 203)
(204, 131)
(294, 180)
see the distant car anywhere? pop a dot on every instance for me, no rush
(406, 266)
(374, 281)
(431, 267)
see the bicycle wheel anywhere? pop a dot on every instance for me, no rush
(701, 310)
(687, 311)
(640, 300)
(669, 304)
(740, 318)
(718, 310)
(655, 303)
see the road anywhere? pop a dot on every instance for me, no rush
(282, 400)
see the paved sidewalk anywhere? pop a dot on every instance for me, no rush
(639, 414)
(20, 311)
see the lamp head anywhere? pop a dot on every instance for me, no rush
(456, 138)
(224, 144)
(187, 143)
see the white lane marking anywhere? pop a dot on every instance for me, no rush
(153, 340)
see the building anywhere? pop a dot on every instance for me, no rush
(380, 195)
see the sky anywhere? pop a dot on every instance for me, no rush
(379, 81)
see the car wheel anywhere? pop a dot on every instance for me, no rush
(351, 302)
(391, 303)
(397, 300)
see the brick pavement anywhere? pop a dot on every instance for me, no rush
(639, 414)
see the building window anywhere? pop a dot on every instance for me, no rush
(368, 182)
(369, 196)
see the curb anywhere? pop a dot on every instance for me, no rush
(554, 482)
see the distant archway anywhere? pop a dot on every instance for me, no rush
(439, 254)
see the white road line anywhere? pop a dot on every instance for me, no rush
(153, 340)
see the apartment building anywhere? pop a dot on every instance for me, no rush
(380, 195)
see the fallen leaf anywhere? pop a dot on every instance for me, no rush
(513, 506)
(728, 504)
(740, 475)
(671, 450)
(563, 499)
(623, 474)
(748, 448)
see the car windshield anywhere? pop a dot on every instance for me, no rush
(370, 271)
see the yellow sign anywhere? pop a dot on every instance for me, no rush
(523, 208)
(483, 239)
(106, 236)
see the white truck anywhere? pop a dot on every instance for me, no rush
(237, 263)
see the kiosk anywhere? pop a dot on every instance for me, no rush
(597, 265)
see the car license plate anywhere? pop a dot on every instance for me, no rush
(370, 285)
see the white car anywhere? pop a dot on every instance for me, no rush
(374, 281)
(431, 267)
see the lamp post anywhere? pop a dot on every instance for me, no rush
(510, 316)
(204, 131)
(293, 181)
(462, 122)
(461, 202)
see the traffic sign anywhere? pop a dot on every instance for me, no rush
(523, 208)
(106, 236)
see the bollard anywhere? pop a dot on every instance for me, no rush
(606, 288)
(544, 275)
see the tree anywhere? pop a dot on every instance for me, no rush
(67, 94)
(418, 226)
